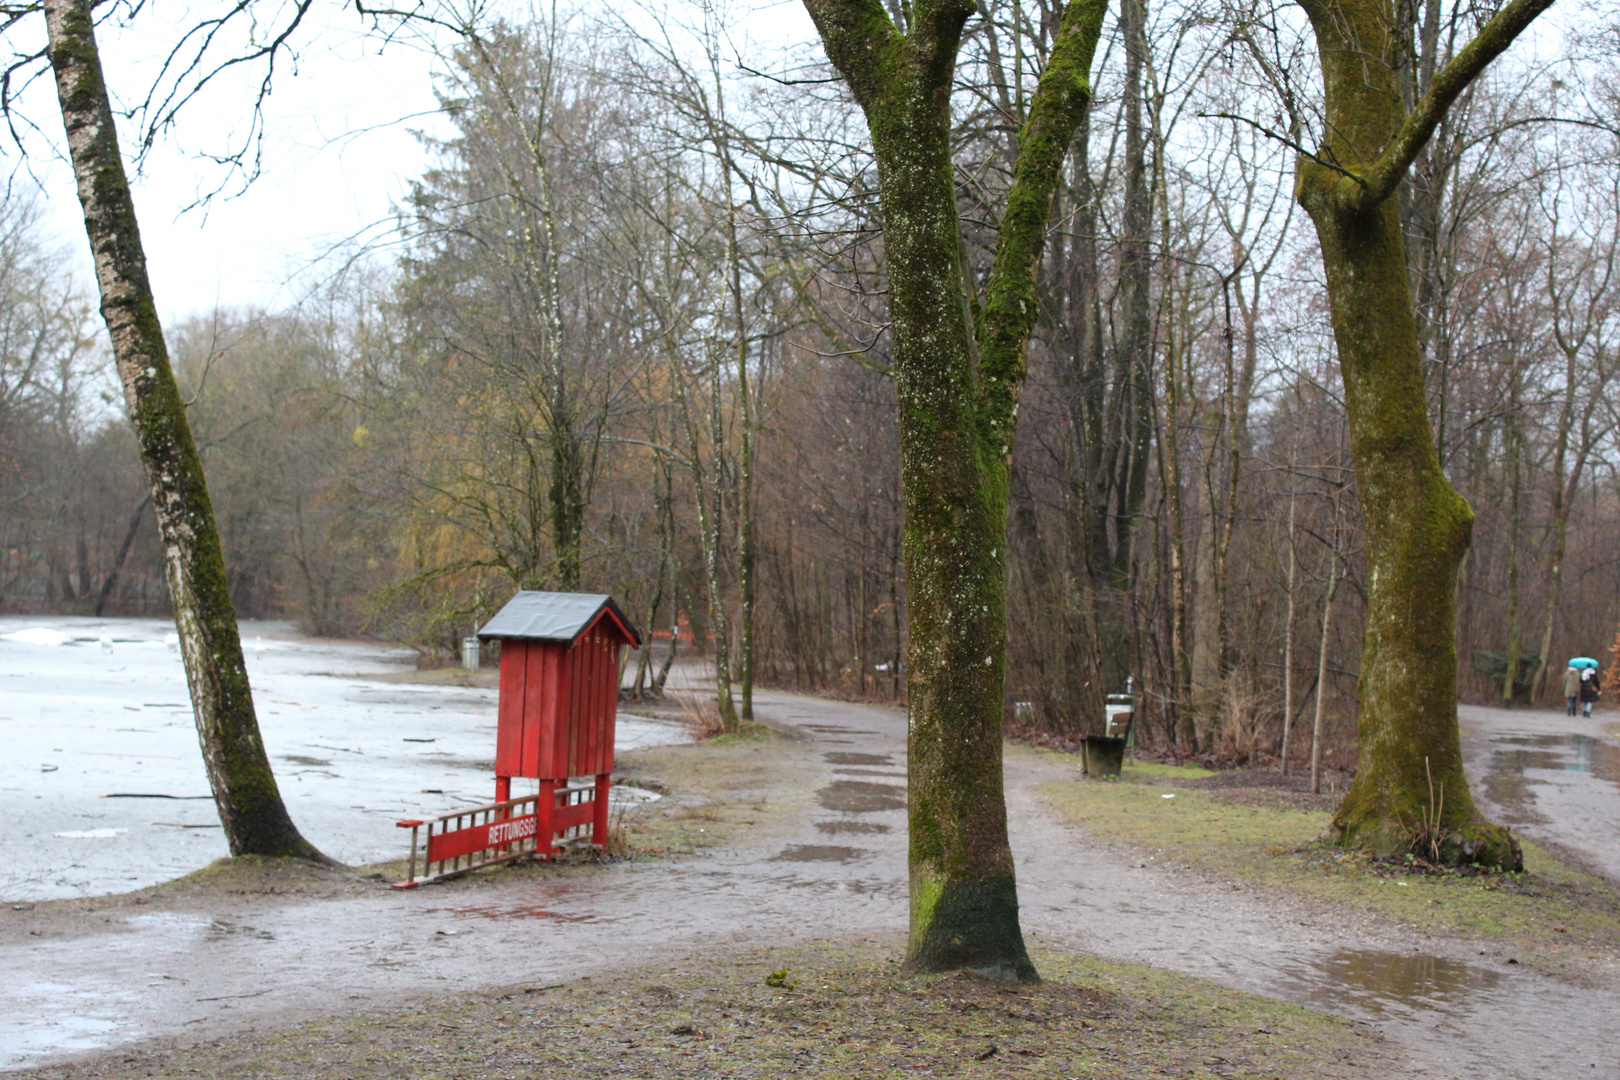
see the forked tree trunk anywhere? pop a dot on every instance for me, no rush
(250, 807)
(956, 432)
(1417, 526)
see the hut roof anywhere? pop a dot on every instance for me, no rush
(554, 616)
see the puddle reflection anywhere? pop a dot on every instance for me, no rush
(861, 797)
(1518, 762)
(852, 827)
(846, 757)
(533, 911)
(1376, 981)
(1560, 753)
(818, 853)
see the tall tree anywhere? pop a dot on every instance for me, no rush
(958, 378)
(250, 807)
(1410, 776)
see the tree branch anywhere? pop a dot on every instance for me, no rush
(1387, 172)
(1292, 144)
(860, 39)
(1061, 97)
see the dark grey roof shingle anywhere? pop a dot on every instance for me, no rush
(552, 616)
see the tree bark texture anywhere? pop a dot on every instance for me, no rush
(250, 807)
(956, 432)
(1417, 526)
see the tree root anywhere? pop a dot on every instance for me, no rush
(1478, 843)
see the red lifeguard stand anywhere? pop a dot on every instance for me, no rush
(559, 697)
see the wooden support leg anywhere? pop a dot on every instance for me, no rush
(599, 819)
(543, 833)
(503, 792)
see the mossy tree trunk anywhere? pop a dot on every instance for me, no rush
(1409, 785)
(957, 386)
(250, 807)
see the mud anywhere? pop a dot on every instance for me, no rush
(207, 965)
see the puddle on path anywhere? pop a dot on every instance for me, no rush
(1567, 753)
(837, 827)
(818, 853)
(1519, 762)
(1381, 982)
(846, 757)
(520, 911)
(861, 797)
(890, 773)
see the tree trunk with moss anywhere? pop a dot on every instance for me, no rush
(250, 807)
(957, 419)
(1409, 789)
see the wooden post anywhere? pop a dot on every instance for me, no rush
(599, 820)
(543, 833)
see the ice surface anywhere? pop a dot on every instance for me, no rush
(353, 753)
(38, 635)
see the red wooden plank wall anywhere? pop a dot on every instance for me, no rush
(509, 713)
(558, 707)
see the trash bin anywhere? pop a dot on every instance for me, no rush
(1102, 755)
(469, 653)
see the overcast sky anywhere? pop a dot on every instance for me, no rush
(339, 153)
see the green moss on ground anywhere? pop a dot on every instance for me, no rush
(828, 1009)
(1551, 910)
(264, 874)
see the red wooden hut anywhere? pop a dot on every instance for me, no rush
(559, 694)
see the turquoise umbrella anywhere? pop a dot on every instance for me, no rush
(1583, 661)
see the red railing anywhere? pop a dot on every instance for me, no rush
(505, 831)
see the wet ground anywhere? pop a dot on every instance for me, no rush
(239, 963)
(1551, 777)
(102, 786)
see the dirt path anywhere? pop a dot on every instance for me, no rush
(229, 963)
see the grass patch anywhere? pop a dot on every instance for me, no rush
(1551, 911)
(828, 1010)
(715, 791)
(1153, 770)
(256, 875)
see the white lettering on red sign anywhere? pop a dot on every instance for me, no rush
(506, 832)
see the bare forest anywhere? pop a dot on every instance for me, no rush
(630, 335)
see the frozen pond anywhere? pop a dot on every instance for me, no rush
(88, 722)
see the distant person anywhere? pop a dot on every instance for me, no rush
(1589, 689)
(1572, 688)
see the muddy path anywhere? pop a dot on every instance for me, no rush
(833, 865)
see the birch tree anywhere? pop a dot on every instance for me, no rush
(255, 820)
